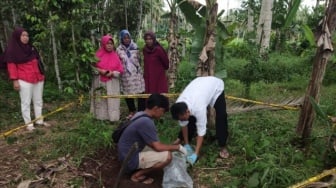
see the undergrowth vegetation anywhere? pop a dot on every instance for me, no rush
(264, 148)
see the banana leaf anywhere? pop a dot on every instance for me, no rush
(309, 35)
(292, 13)
(196, 17)
(319, 112)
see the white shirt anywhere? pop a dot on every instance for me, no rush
(198, 95)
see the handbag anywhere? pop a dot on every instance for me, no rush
(40, 66)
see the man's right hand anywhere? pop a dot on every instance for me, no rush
(183, 150)
(191, 159)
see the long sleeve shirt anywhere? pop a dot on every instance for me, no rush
(28, 71)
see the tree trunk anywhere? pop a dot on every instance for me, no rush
(264, 26)
(125, 12)
(324, 51)
(173, 42)
(279, 35)
(75, 51)
(54, 47)
(13, 16)
(206, 63)
(250, 21)
(318, 3)
(4, 35)
(139, 26)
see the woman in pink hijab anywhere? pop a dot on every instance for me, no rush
(106, 82)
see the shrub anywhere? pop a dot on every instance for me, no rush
(185, 73)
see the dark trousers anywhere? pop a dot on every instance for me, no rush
(221, 123)
(131, 104)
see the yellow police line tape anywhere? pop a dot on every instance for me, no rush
(314, 179)
(169, 95)
(287, 107)
(7, 133)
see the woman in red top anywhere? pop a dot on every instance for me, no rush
(156, 63)
(22, 64)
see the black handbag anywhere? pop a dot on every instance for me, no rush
(40, 66)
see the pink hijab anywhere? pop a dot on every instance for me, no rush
(108, 60)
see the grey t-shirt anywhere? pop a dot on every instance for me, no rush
(143, 131)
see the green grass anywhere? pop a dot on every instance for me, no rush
(261, 143)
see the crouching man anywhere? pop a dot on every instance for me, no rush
(151, 154)
(191, 111)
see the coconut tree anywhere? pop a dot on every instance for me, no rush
(264, 26)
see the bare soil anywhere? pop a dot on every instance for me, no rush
(105, 167)
(26, 157)
(18, 161)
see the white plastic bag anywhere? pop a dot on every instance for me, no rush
(175, 174)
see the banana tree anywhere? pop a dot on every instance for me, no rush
(206, 63)
(283, 18)
(207, 30)
(323, 53)
(204, 20)
(173, 42)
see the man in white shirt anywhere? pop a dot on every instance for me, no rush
(191, 110)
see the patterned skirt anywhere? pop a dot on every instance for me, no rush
(105, 108)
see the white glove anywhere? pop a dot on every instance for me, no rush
(182, 150)
(116, 74)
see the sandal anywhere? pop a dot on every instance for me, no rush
(333, 119)
(143, 179)
(43, 124)
(224, 154)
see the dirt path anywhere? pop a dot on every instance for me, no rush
(21, 163)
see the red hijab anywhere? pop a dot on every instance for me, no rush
(16, 51)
